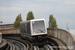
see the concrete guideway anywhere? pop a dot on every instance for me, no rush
(61, 46)
(16, 45)
(64, 36)
(19, 44)
(3, 45)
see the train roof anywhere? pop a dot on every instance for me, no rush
(31, 20)
(36, 19)
(24, 21)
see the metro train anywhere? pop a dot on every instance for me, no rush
(33, 30)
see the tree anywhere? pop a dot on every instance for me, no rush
(17, 21)
(30, 15)
(52, 22)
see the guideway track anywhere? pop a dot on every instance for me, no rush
(25, 42)
(50, 45)
(29, 46)
(16, 45)
(53, 44)
(45, 47)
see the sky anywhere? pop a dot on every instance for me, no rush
(62, 10)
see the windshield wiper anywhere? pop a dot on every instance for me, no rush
(41, 30)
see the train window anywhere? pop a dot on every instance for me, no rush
(33, 22)
(38, 27)
(25, 24)
(28, 28)
(25, 28)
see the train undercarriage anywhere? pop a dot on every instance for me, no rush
(37, 40)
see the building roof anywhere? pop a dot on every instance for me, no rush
(6, 25)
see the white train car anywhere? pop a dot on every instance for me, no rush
(33, 29)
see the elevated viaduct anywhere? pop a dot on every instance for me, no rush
(62, 37)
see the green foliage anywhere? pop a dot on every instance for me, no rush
(17, 21)
(30, 15)
(52, 22)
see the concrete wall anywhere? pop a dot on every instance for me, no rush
(10, 31)
(67, 38)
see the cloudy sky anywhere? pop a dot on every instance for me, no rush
(62, 10)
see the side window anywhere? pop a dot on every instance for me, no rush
(21, 28)
(28, 28)
(25, 27)
(25, 24)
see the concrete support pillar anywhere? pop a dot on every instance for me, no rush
(0, 37)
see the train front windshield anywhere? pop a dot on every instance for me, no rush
(38, 27)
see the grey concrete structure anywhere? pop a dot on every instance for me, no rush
(64, 36)
(0, 37)
(60, 44)
(11, 31)
(3, 45)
